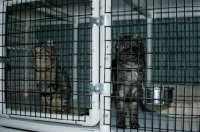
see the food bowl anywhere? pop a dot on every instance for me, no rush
(158, 95)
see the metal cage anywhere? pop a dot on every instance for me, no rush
(88, 37)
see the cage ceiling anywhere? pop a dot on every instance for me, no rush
(67, 11)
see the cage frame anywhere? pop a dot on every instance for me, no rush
(91, 119)
(149, 16)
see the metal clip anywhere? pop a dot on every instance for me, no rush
(94, 21)
(104, 20)
(97, 89)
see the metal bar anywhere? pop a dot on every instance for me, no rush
(181, 12)
(2, 54)
(20, 49)
(41, 126)
(75, 50)
(54, 13)
(14, 2)
(105, 64)
(134, 4)
(27, 40)
(149, 50)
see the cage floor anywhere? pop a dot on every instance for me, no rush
(31, 102)
(149, 121)
(153, 123)
(4, 129)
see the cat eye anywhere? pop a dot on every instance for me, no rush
(126, 46)
(116, 47)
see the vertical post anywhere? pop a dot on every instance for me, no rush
(75, 48)
(27, 40)
(2, 54)
(95, 44)
(94, 112)
(149, 50)
(105, 65)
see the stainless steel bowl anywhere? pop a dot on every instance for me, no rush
(157, 95)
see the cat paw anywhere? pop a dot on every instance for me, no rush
(134, 125)
(121, 125)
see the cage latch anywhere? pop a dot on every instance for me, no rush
(104, 20)
(97, 89)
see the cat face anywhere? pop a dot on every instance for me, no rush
(43, 52)
(44, 55)
(129, 47)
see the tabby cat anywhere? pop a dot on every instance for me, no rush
(52, 81)
(130, 63)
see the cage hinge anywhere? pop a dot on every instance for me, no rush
(97, 89)
(104, 20)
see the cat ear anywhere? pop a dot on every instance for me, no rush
(36, 42)
(118, 37)
(33, 50)
(50, 43)
(136, 36)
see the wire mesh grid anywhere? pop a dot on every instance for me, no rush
(42, 82)
(155, 61)
(166, 98)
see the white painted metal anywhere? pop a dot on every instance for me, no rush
(13, 2)
(40, 127)
(149, 50)
(105, 64)
(154, 8)
(26, 60)
(2, 54)
(55, 12)
(138, 3)
(93, 117)
(177, 13)
(90, 120)
(4, 129)
(75, 48)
